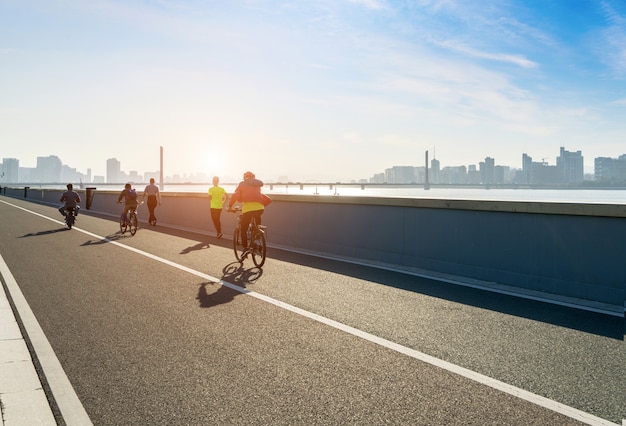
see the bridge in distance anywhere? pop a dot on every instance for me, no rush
(166, 328)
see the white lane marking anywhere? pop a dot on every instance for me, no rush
(70, 406)
(464, 372)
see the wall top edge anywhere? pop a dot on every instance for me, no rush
(534, 207)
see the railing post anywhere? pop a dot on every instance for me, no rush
(89, 197)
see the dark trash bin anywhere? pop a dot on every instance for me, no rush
(89, 197)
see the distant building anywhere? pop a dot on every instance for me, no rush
(453, 175)
(151, 175)
(420, 174)
(502, 174)
(71, 175)
(435, 169)
(544, 174)
(488, 171)
(525, 176)
(610, 170)
(378, 178)
(570, 166)
(473, 175)
(49, 169)
(400, 174)
(10, 170)
(114, 171)
(538, 173)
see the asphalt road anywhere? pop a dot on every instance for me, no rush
(174, 331)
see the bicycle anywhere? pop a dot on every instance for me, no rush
(70, 217)
(129, 221)
(257, 244)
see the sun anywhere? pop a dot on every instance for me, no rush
(211, 160)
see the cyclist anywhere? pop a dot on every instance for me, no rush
(70, 198)
(130, 199)
(248, 193)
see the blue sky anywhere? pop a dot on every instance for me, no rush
(329, 90)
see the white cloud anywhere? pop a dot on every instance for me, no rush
(514, 59)
(370, 4)
(613, 46)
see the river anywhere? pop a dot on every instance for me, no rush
(584, 196)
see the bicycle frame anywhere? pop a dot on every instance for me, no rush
(257, 244)
(128, 221)
(70, 217)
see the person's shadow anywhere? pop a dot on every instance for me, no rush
(107, 239)
(201, 245)
(51, 231)
(221, 296)
(233, 273)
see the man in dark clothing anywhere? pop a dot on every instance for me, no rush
(70, 198)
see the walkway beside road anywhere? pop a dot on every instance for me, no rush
(22, 397)
(307, 330)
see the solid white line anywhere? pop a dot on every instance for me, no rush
(70, 406)
(464, 372)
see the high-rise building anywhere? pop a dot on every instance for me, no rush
(435, 168)
(570, 166)
(487, 171)
(10, 170)
(49, 169)
(400, 174)
(114, 171)
(611, 170)
(527, 167)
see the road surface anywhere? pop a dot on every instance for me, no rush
(166, 328)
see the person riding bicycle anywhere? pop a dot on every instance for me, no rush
(130, 199)
(248, 193)
(70, 198)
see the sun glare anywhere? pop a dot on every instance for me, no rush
(212, 161)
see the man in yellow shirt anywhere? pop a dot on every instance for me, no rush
(218, 196)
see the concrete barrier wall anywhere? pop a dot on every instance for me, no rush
(572, 250)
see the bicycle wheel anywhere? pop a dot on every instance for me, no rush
(133, 223)
(123, 224)
(237, 247)
(258, 248)
(69, 220)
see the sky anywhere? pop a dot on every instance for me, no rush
(317, 90)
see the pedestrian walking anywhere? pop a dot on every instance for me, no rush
(218, 196)
(154, 199)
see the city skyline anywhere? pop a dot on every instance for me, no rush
(327, 90)
(114, 167)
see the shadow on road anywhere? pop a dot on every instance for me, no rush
(200, 246)
(221, 296)
(233, 273)
(113, 237)
(576, 319)
(37, 234)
